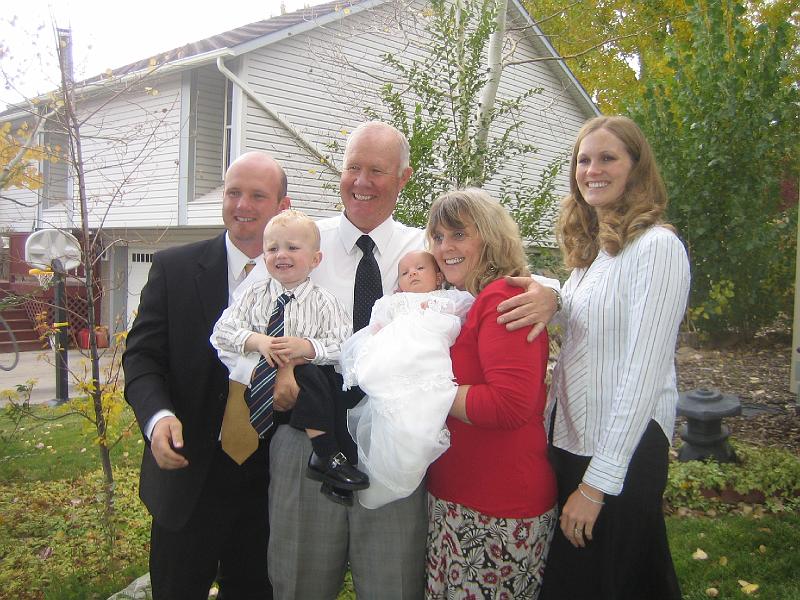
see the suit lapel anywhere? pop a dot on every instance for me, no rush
(212, 280)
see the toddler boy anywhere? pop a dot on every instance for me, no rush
(315, 325)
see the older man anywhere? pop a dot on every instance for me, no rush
(209, 513)
(314, 539)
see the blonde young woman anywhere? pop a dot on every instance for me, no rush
(492, 494)
(612, 401)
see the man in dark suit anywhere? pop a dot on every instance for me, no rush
(209, 514)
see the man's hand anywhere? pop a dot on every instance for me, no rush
(286, 389)
(532, 308)
(167, 436)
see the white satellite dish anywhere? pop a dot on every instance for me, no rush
(44, 246)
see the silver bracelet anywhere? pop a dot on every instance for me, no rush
(588, 497)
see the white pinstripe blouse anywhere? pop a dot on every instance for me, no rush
(315, 314)
(616, 370)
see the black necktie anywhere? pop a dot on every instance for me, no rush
(368, 287)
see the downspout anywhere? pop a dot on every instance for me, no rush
(283, 123)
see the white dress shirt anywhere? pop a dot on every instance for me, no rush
(340, 255)
(313, 314)
(616, 370)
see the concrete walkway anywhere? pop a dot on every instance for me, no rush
(39, 365)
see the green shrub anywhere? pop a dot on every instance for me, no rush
(773, 472)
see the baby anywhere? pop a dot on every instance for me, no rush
(315, 325)
(401, 361)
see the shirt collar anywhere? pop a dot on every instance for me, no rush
(300, 293)
(381, 235)
(236, 258)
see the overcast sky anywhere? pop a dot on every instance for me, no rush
(109, 34)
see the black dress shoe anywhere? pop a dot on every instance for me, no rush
(336, 472)
(338, 495)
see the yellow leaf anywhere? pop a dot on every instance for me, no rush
(762, 548)
(699, 555)
(712, 592)
(723, 560)
(747, 587)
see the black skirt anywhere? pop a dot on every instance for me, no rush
(629, 557)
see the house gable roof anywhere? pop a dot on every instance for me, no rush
(247, 37)
(260, 33)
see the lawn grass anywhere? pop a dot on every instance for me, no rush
(54, 445)
(54, 544)
(764, 551)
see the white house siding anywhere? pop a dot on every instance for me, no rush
(19, 206)
(311, 89)
(130, 155)
(18, 209)
(318, 82)
(209, 99)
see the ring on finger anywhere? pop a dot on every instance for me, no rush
(577, 531)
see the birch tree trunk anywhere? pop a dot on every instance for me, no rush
(489, 94)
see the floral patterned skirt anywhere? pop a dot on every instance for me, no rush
(473, 556)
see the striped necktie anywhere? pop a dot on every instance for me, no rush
(259, 395)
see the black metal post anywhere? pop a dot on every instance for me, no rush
(62, 335)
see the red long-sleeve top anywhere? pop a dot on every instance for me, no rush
(498, 464)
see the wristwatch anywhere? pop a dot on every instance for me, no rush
(559, 301)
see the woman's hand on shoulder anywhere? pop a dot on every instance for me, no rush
(533, 308)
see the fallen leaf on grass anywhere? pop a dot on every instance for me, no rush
(45, 553)
(699, 555)
(747, 587)
(723, 560)
(712, 592)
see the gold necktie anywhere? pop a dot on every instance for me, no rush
(239, 439)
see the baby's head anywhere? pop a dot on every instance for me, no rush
(418, 272)
(291, 247)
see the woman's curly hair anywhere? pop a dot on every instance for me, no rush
(502, 253)
(580, 232)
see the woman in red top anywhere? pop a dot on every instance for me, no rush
(492, 494)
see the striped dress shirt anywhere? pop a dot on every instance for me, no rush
(314, 314)
(616, 370)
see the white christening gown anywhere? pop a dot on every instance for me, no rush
(401, 361)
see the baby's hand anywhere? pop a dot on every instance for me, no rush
(287, 348)
(424, 305)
